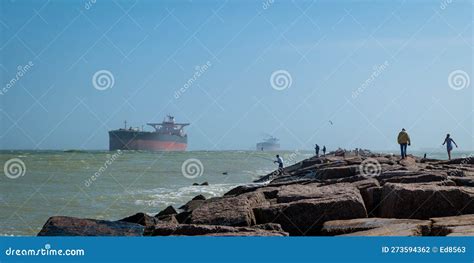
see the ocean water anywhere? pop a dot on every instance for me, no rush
(113, 185)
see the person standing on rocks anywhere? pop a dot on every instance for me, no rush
(403, 140)
(449, 144)
(324, 150)
(279, 160)
(316, 149)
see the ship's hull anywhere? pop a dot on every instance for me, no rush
(146, 141)
(265, 146)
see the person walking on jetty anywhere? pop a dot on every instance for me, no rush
(403, 140)
(279, 160)
(316, 149)
(449, 144)
(324, 150)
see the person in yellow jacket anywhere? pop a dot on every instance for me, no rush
(403, 140)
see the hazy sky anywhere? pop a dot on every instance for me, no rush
(370, 68)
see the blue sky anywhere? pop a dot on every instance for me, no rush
(370, 68)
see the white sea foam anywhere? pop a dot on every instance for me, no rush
(160, 197)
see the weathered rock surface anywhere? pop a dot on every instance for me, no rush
(191, 205)
(462, 181)
(71, 226)
(167, 219)
(376, 226)
(228, 211)
(337, 172)
(291, 193)
(453, 226)
(141, 219)
(304, 214)
(167, 211)
(183, 217)
(391, 230)
(423, 201)
(408, 177)
(209, 230)
(269, 226)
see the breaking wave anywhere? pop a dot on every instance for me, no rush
(162, 197)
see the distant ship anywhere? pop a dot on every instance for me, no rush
(168, 136)
(269, 144)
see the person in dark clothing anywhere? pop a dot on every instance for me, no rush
(316, 149)
(404, 140)
(324, 150)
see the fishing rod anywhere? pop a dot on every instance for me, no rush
(265, 158)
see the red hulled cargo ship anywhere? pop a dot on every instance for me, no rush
(168, 136)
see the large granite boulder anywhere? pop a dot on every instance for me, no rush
(167, 219)
(423, 201)
(408, 177)
(404, 229)
(304, 213)
(269, 226)
(350, 179)
(167, 211)
(191, 205)
(398, 227)
(208, 230)
(292, 193)
(337, 172)
(242, 189)
(183, 217)
(366, 188)
(453, 226)
(268, 191)
(141, 219)
(228, 211)
(463, 181)
(71, 226)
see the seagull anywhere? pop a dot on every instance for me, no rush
(330, 122)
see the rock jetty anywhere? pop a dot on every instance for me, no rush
(361, 195)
